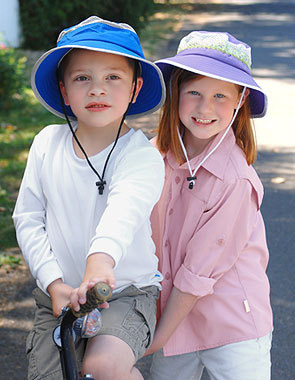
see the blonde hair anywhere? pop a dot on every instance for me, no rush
(167, 137)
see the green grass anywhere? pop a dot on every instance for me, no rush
(26, 117)
(18, 126)
(9, 260)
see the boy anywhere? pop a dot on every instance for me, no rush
(82, 214)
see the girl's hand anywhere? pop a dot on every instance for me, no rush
(156, 345)
(60, 295)
(99, 268)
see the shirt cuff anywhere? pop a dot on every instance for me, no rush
(188, 282)
(108, 246)
(48, 273)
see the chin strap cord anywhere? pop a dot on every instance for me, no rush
(101, 181)
(191, 179)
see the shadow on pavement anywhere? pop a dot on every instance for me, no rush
(268, 27)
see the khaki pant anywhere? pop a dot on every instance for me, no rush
(130, 317)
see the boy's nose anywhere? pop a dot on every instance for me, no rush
(97, 88)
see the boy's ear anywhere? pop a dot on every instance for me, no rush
(64, 93)
(138, 88)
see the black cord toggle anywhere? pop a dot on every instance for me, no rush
(100, 184)
(191, 182)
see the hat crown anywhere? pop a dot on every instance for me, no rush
(218, 41)
(95, 20)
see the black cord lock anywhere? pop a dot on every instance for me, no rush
(100, 184)
(191, 182)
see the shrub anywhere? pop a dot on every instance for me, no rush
(12, 75)
(42, 20)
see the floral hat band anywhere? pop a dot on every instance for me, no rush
(222, 42)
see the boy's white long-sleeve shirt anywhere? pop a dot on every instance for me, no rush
(60, 218)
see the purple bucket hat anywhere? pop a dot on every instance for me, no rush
(217, 55)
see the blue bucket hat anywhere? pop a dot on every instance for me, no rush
(217, 55)
(97, 34)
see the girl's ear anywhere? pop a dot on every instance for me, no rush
(247, 92)
(138, 88)
(64, 93)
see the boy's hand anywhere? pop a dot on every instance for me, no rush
(99, 267)
(60, 295)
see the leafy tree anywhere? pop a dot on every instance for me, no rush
(42, 20)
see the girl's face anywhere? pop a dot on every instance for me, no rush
(206, 107)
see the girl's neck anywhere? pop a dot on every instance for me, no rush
(195, 146)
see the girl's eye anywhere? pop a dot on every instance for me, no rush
(194, 92)
(219, 96)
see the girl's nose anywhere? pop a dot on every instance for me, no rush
(204, 104)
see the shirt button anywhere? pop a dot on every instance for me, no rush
(171, 211)
(221, 242)
(177, 179)
(166, 243)
(167, 276)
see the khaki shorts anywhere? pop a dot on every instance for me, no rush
(130, 317)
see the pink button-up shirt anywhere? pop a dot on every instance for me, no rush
(211, 243)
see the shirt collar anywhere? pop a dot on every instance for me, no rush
(217, 162)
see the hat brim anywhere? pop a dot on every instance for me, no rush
(45, 85)
(208, 66)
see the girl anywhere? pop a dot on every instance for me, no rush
(208, 229)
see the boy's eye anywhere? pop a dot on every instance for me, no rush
(113, 77)
(219, 96)
(81, 78)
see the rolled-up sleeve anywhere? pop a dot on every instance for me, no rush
(222, 232)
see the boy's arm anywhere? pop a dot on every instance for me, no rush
(60, 295)
(99, 267)
(29, 221)
(178, 307)
(135, 188)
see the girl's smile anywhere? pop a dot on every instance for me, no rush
(202, 122)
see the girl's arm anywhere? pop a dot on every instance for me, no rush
(178, 307)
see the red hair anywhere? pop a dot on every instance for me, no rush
(167, 137)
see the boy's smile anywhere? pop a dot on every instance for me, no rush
(98, 86)
(97, 107)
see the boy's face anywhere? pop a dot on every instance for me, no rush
(98, 87)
